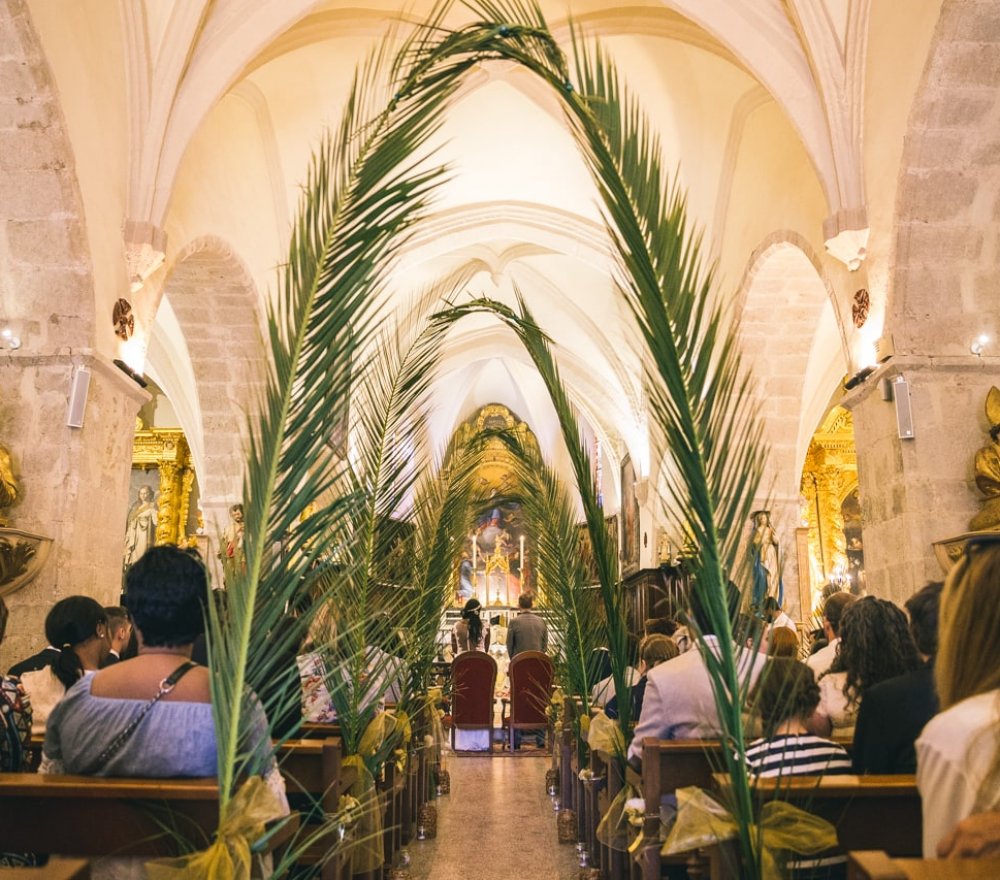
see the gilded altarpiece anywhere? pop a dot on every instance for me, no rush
(831, 509)
(165, 453)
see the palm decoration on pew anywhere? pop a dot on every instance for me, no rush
(368, 186)
(365, 190)
(575, 610)
(700, 393)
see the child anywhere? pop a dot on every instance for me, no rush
(785, 695)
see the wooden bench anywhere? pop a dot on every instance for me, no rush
(56, 869)
(868, 812)
(880, 866)
(668, 765)
(313, 767)
(54, 815)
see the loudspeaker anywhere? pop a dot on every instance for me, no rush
(78, 397)
(904, 413)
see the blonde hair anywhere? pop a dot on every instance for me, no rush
(968, 658)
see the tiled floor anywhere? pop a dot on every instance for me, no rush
(497, 824)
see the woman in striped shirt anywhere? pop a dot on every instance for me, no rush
(785, 696)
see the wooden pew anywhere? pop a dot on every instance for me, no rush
(56, 869)
(880, 866)
(868, 812)
(668, 765)
(49, 814)
(313, 767)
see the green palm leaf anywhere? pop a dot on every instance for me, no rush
(606, 559)
(359, 203)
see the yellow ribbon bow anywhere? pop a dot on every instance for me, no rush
(703, 821)
(368, 851)
(605, 735)
(228, 858)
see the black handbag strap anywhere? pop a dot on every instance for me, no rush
(115, 746)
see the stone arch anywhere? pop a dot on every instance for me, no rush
(785, 290)
(944, 279)
(795, 347)
(215, 303)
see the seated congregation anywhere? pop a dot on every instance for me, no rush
(912, 695)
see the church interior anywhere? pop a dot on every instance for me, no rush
(840, 168)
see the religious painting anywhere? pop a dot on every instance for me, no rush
(396, 543)
(587, 549)
(630, 519)
(851, 512)
(494, 566)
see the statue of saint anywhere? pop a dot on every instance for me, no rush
(987, 468)
(764, 558)
(465, 589)
(8, 484)
(231, 551)
(140, 527)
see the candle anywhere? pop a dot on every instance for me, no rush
(521, 556)
(474, 553)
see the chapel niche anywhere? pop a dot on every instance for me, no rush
(831, 509)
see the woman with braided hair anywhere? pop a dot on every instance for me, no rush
(875, 645)
(469, 634)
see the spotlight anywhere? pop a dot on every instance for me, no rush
(979, 344)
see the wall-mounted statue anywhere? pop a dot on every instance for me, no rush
(764, 559)
(988, 468)
(8, 485)
(22, 554)
(231, 550)
(140, 527)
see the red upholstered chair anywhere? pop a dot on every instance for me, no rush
(473, 679)
(530, 674)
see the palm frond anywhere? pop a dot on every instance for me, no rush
(443, 511)
(700, 393)
(359, 203)
(605, 557)
(550, 515)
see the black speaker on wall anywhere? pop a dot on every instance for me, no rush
(78, 389)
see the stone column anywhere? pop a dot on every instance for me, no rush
(74, 483)
(917, 491)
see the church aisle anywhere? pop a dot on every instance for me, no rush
(496, 824)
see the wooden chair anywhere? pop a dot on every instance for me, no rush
(530, 674)
(474, 678)
(874, 865)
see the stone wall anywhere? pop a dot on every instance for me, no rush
(943, 295)
(73, 481)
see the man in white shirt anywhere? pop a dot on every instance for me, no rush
(833, 612)
(679, 702)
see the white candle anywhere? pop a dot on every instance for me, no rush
(474, 554)
(521, 557)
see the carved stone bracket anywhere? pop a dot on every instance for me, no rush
(145, 251)
(846, 237)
